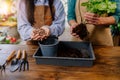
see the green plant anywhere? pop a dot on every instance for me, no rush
(100, 6)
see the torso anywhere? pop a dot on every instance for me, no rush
(98, 35)
(42, 16)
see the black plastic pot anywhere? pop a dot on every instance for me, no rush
(49, 46)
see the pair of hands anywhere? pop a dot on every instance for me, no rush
(40, 33)
(94, 19)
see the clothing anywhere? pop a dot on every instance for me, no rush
(72, 15)
(98, 35)
(57, 26)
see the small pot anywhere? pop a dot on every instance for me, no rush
(49, 46)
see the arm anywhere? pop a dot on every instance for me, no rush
(92, 18)
(72, 16)
(24, 27)
(71, 13)
(110, 20)
(58, 25)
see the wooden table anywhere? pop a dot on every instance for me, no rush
(106, 66)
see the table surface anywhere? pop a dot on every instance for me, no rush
(106, 66)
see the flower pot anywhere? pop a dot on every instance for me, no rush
(49, 46)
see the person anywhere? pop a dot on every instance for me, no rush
(34, 15)
(98, 27)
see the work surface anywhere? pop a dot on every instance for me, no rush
(106, 66)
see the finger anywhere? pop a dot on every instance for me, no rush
(42, 37)
(71, 29)
(91, 14)
(36, 37)
(74, 34)
(77, 36)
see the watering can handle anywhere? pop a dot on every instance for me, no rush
(12, 54)
(18, 54)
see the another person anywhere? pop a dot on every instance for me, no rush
(98, 27)
(34, 15)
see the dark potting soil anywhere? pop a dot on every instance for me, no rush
(81, 30)
(72, 52)
(48, 41)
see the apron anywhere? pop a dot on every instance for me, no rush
(42, 16)
(98, 35)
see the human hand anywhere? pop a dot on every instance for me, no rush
(95, 19)
(73, 25)
(47, 31)
(40, 33)
(35, 34)
(91, 18)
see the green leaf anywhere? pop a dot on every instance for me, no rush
(100, 6)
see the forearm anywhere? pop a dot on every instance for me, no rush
(58, 25)
(106, 20)
(57, 29)
(25, 32)
(71, 10)
(72, 23)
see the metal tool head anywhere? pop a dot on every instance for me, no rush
(3, 58)
(3, 61)
(24, 65)
(15, 64)
(2, 68)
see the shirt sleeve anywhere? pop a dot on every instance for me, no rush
(71, 10)
(58, 25)
(117, 13)
(24, 27)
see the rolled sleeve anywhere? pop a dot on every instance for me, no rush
(24, 27)
(58, 25)
(71, 10)
(117, 13)
(116, 19)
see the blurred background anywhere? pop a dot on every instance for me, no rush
(8, 25)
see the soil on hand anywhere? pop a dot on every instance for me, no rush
(39, 31)
(81, 30)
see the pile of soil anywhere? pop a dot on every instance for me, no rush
(73, 52)
(39, 31)
(81, 30)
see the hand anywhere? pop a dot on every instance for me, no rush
(73, 24)
(40, 33)
(35, 34)
(95, 19)
(91, 18)
(47, 32)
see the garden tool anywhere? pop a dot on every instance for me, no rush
(5, 62)
(15, 64)
(24, 62)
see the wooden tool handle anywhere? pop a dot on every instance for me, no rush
(12, 54)
(24, 54)
(18, 54)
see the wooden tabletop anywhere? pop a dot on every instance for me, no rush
(106, 66)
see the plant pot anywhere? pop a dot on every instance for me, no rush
(49, 46)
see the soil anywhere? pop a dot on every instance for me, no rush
(39, 31)
(73, 52)
(48, 41)
(81, 30)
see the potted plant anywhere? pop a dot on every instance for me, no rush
(100, 7)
